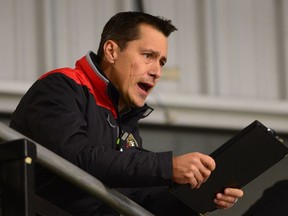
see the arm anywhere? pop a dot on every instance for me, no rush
(53, 113)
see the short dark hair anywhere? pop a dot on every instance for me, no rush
(124, 27)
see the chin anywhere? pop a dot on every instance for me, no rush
(139, 104)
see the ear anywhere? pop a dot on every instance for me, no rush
(110, 51)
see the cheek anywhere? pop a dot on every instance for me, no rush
(137, 70)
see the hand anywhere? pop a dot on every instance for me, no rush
(228, 198)
(192, 168)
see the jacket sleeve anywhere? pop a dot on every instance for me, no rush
(52, 114)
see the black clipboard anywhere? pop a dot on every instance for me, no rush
(241, 159)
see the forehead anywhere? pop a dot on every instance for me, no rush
(150, 31)
(152, 38)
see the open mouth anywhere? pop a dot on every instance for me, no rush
(145, 86)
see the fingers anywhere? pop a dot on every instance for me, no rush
(193, 168)
(201, 166)
(196, 178)
(199, 173)
(208, 162)
(223, 201)
(228, 198)
(235, 192)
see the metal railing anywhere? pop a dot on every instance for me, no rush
(77, 176)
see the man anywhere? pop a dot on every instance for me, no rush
(89, 116)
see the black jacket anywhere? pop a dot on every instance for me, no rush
(73, 112)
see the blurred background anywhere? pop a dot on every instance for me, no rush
(227, 66)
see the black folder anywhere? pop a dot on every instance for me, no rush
(241, 159)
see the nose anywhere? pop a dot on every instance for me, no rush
(155, 71)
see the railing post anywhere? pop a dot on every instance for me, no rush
(17, 178)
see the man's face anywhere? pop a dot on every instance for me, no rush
(138, 67)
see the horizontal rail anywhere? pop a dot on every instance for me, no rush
(78, 177)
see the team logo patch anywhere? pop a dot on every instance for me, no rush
(131, 142)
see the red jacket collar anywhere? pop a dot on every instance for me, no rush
(99, 86)
(106, 95)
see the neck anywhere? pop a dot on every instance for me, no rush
(124, 110)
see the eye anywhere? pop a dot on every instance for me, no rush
(148, 55)
(162, 63)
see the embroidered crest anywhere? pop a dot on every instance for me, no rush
(126, 141)
(131, 142)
